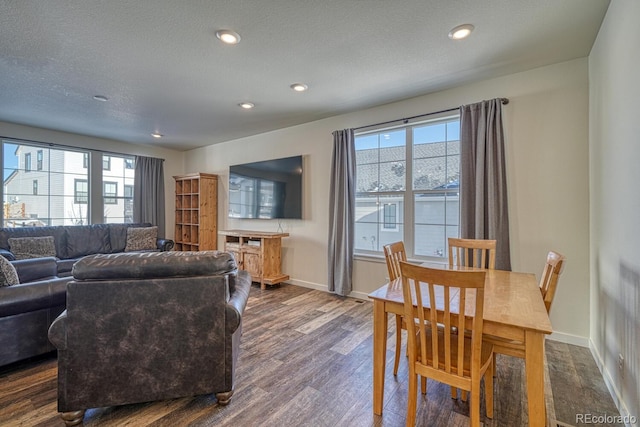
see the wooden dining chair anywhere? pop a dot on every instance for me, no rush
(460, 360)
(393, 254)
(548, 283)
(480, 253)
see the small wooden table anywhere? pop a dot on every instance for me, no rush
(513, 309)
(258, 252)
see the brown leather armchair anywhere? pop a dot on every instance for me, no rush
(148, 326)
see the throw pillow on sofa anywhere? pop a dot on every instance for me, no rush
(141, 239)
(8, 274)
(32, 247)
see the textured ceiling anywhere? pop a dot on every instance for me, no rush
(162, 68)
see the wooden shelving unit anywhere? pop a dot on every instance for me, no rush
(259, 253)
(196, 212)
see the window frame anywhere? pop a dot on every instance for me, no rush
(406, 223)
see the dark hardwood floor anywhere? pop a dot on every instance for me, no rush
(306, 361)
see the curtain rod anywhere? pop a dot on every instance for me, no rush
(405, 120)
(71, 147)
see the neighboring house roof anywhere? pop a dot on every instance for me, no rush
(384, 169)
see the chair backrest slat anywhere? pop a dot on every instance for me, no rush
(479, 253)
(447, 291)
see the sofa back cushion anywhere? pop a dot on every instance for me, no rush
(87, 240)
(57, 232)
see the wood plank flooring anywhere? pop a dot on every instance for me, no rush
(306, 361)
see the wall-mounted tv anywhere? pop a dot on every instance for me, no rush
(266, 190)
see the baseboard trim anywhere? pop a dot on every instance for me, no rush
(569, 339)
(613, 390)
(325, 288)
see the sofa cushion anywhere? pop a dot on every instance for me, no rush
(87, 240)
(8, 273)
(32, 247)
(118, 234)
(141, 239)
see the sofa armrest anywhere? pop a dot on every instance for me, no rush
(24, 298)
(58, 333)
(239, 287)
(165, 244)
(7, 254)
(33, 269)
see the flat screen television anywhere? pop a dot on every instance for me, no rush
(271, 189)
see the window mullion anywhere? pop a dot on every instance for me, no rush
(409, 214)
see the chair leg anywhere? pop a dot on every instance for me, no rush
(454, 392)
(396, 363)
(488, 389)
(495, 368)
(474, 405)
(423, 385)
(412, 404)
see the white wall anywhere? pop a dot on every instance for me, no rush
(546, 126)
(173, 165)
(615, 201)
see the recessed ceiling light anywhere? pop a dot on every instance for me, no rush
(299, 87)
(157, 135)
(461, 31)
(100, 98)
(228, 36)
(247, 105)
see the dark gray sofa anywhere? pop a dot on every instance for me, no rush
(167, 325)
(28, 309)
(73, 242)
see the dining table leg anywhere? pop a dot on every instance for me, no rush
(534, 366)
(379, 354)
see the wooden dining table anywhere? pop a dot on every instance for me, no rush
(513, 309)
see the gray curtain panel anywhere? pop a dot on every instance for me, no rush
(342, 204)
(483, 177)
(148, 192)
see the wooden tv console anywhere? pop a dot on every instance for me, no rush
(259, 253)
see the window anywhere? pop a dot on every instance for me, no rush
(81, 191)
(110, 193)
(57, 190)
(407, 187)
(118, 207)
(43, 193)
